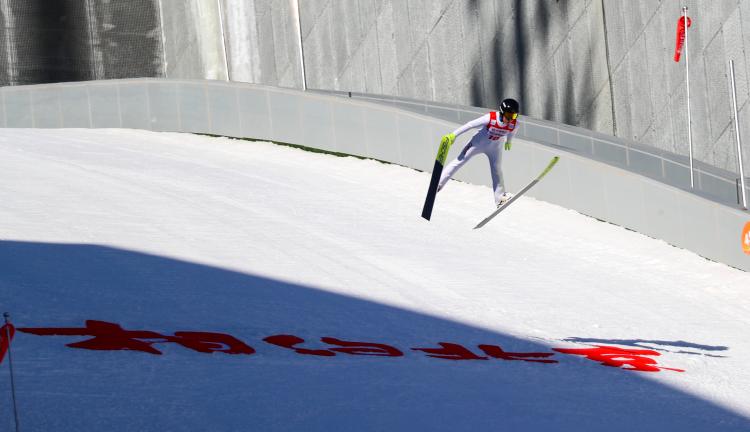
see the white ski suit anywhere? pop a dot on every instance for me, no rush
(488, 140)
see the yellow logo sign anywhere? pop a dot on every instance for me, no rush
(746, 238)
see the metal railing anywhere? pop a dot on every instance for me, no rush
(712, 183)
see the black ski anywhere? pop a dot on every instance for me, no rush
(437, 170)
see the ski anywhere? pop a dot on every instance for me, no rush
(437, 170)
(521, 192)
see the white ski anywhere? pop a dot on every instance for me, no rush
(521, 192)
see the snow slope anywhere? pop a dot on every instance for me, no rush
(168, 233)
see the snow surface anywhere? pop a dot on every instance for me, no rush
(171, 232)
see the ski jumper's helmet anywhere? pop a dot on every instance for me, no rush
(509, 106)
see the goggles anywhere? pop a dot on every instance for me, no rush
(510, 115)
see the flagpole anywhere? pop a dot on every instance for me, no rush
(737, 135)
(687, 84)
(6, 315)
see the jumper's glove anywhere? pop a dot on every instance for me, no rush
(448, 139)
(508, 145)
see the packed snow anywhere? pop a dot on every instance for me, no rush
(262, 287)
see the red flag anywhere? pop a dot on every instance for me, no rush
(6, 330)
(680, 36)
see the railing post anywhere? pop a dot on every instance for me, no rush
(687, 84)
(295, 11)
(743, 190)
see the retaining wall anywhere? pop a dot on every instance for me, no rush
(357, 127)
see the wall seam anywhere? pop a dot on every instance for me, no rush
(609, 71)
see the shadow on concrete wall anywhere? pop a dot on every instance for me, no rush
(513, 76)
(50, 41)
(44, 41)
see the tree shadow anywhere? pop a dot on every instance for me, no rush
(511, 71)
(46, 285)
(51, 41)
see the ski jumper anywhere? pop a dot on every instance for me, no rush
(488, 140)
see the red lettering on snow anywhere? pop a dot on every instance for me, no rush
(363, 348)
(109, 336)
(290, 341)
(495, 351)
(619, 357)
(450, 351)
(348, 347)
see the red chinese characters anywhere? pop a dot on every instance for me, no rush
(104, 335)
(347, 347)
(109, 336)
(611, 356)
(450, 351)
(534, 357)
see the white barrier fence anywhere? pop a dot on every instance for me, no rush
(387, 133)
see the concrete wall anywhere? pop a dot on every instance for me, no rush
(193, 43)
(605, 65)
(72, 40)
(355, 127)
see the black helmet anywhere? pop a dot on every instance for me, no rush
(509, 106)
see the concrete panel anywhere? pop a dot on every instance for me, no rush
(645, 164)
(402, 35)
(423, 83)
(347, 34)
(517, 165)
(446, 51)
(541, 134)
(409, 106)
(719, 101)
(677, 175)
(664, 213)
(716, 188)
(577, 143)
(642, 113)
(389, 70)
(467, 116)
(415, 144)
(379, 124)
(371, 58)
(317, 122)
(610, 153)
(224, 110)
(600, 116)
(284, 42)
(134, 106)
(556, 187)
(286, 125)
(266, 48)
(447, 114)
(699, 225)
(163, 107)
(320, 59)
(729, 225)
(45, 102)
(105, 111)
(349, 124)
(77, 110)
(586, 186)
(255, 118)
(193, 107)
(2, 110)
(18, 112)
(625, 201)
